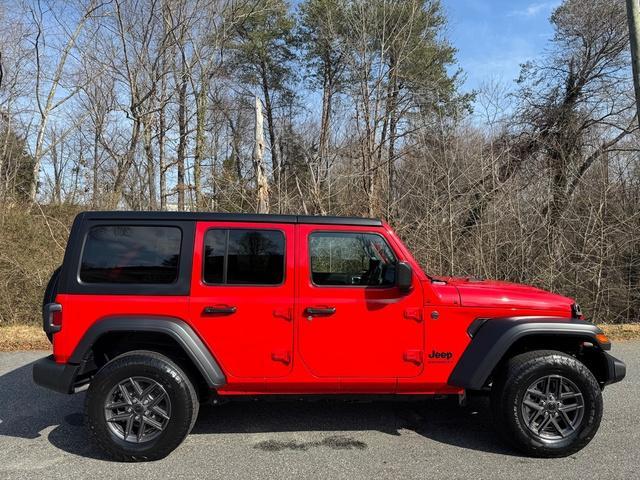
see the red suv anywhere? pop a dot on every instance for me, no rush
(157, 312)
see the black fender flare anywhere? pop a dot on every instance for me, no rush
(173, 327)
(492, 338)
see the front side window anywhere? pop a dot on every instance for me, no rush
(131, 254)
(244, 257)
(351, 259)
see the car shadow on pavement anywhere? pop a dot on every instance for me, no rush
(29, 411)
(443, 421)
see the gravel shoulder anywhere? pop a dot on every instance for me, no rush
(41, 435)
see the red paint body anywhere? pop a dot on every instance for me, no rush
(379, 340)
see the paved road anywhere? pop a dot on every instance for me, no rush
(41, 436)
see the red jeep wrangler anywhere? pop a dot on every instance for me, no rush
(156, 312)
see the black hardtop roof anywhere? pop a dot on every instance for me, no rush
(228, 217)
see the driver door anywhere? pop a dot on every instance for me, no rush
(354, 323)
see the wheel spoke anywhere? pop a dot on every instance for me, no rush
(119, 418)
(155, 401)
(125, 393)
(533, 405)
(544, 423)
(570, 395)
(570, 408)
(153, 423)
(129, 427)
(141, 429)
(557, 426)
(136, 386)
(147, 391)
(537, 393)
(113, 406)
(160, 412)
(558, 387)
(566, 419)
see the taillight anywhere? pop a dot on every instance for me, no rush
(52, 318)
(56, 318)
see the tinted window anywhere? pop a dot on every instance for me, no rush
(351, 259)
(131, 254)
(249, 257)
(215, 245)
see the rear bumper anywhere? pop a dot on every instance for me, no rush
(616, 369)
(59, 377)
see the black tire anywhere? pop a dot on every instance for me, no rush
(184, 405)
(510, 387)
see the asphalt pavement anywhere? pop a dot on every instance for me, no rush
(42, 436)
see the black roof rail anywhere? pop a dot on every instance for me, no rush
(229, 217)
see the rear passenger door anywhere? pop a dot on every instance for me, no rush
(242, 295)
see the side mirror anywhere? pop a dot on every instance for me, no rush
(404, 276)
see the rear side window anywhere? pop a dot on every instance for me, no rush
(244, 257)
(131, 254)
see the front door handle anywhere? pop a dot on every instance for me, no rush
(219, 310)
(319, 311)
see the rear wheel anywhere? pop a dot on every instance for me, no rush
(546, 403)
(140, 406)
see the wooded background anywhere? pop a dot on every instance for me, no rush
(151, 104)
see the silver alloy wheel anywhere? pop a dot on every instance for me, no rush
(552, 407)
(137, 409)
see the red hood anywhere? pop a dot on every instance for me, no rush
(493, 293)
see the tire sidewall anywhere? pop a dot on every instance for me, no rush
(174, 382)
(591, 395)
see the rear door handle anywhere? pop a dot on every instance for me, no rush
(319, 311)
(219, 310)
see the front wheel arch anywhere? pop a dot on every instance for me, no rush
(580, 347)
(499, 339)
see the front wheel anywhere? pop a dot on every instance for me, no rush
(546, 403)
(140, 406)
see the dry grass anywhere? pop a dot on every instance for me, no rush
(29, 337)
(22, 337)
(625, 331)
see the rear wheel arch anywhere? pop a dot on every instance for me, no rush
(172, 337)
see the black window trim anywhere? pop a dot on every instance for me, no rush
(377, 287)
(70, 282)
(226, 257)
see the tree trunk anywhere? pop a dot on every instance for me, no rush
(123, 168)
(325, 122)
(161, 157)
(201, 114)
(151, 171)
(262, 185)
(275, 161)
(182, 127)
(95, 187)
(393, 126)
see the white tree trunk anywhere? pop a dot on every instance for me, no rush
(262, 184)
